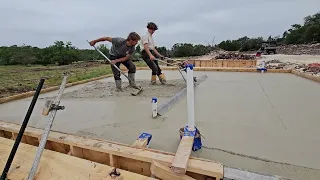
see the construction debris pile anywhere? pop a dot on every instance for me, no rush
(310, 49)
(313, 68)
(233, 55)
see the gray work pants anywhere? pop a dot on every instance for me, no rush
(128, 64)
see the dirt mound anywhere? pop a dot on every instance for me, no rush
(232, 55)
(311, 49)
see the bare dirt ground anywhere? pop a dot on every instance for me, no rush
(299, 59)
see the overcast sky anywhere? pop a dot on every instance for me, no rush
(41, 22)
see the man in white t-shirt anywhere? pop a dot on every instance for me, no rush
(148, 52)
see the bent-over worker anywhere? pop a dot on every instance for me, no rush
(120, 52)
(148, 52)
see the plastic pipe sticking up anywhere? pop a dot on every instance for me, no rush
(154, 107)
(263, 64)
(190, 97)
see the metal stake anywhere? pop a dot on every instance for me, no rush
(176, 67)
(46, 132)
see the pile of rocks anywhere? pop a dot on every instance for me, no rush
(233, 55)
(276, 64)
(313, 69)
(311, 49)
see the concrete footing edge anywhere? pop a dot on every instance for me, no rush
(238, 174)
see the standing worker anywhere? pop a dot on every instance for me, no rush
(148, 53)
(120, 52)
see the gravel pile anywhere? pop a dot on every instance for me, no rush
(311, 49)
(238, 56)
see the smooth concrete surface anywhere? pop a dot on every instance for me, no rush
(249, 120)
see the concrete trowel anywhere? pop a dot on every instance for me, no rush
(139, 89)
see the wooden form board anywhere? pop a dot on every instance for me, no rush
(137, 160)
(225, 69)
(308, 76)
(141, 143)
(180, 161)
(163, 172)
(224, 63)
(55, 165)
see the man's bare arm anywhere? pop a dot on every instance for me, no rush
(158, 54)
(93, 42)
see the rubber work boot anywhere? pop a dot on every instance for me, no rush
(153, 79)
(118, 85)
(162, 78)
(132, 83)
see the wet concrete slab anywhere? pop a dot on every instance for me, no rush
(261, 122)
(116, 118)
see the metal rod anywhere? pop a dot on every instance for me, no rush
(176, 67)
(22, 129)
(111, 63)
(46, 132)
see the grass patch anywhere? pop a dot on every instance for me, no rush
(19, 79)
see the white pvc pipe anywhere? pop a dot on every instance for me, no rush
(154, 107)
(263, 64)
(190, 97)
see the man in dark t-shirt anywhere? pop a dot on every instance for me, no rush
(120, 52)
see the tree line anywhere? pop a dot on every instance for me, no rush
(62, 53)
(308, 32)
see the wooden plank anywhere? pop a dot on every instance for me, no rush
(230, 63)
(226, 69)
(225, 63)
(1, 133)
(249, 63)
(191, 61)
(76, 151)
(14, 136)
(197, 63)
(143, 140)
(141, 143)
(114, 161)
(219, 63)
(32, 141)
(135, 166)
(236, 63)
(242, 63)
(163, 172)
(209, 63)
(195, 165)
(214, 63)
(96, 156)
(58, 147)
(204, 63)
(179, 164)
(8, 134)
(255, 63)
(54, 165)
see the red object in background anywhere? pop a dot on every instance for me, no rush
(258, 54)
(314, 65)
